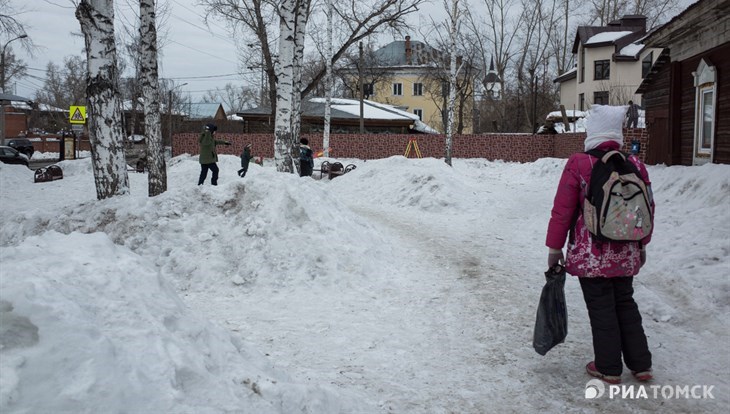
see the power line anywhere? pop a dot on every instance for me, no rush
(216, 35)
(204, 77)
(196, 13)
(203, 52)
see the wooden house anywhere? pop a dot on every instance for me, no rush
(686, 95)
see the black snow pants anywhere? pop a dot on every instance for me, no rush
(204, 173)
(616, 324)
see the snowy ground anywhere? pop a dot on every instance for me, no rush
(404, 286)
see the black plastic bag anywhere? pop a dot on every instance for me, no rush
(551, 324)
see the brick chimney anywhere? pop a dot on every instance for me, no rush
(409, 51)
(634, 20)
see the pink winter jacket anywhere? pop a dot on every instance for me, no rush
(586, 258)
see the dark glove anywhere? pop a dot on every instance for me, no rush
(643, 257)
(555, 256)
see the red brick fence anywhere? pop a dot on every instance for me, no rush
(507, 147)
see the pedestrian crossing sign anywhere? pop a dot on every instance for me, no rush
(77, 114)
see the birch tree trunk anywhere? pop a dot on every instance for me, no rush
(157, 177)
(328, 84)
(302, 15)
(284, 88)
(452, 79)
(96, 18)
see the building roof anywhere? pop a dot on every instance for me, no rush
(7, 98)
(685, 23)
(659, 63)
(349, 109)
(571, 74)
(395, 54)
(619, 33)
(203, 110)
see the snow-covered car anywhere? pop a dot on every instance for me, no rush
(11, 156)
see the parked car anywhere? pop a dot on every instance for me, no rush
(22, 145)
(11, 156)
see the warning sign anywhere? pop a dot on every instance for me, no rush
(77, 114)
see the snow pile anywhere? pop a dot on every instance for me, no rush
(403, 286)
(80, 334)
(421, 184)
(282, 225)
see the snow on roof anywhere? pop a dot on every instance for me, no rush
(202, 110)
(23, 105)
(632, 49)
(377, 110)
(421, 126)
(371, 110)
(607, 37)
(572, 113)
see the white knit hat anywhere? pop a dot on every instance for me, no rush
(604, 123)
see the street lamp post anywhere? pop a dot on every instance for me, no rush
(2, 87)
(2, 61)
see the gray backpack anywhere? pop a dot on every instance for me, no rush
(617, 206)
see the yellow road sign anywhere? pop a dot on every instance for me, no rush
(77, 114)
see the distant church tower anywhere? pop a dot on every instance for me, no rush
(492, 83)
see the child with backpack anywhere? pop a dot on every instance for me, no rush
(604, 208)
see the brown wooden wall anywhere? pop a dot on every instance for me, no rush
(656, 103)
(720, 58)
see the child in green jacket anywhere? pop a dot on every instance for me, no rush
(208, 155)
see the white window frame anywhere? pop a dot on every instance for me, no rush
(705, 83)
(397, 89)
(419, 112)
(418, 89)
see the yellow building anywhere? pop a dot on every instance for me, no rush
(416, 81)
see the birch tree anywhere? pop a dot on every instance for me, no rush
(96, 18)
(328, 83)
(454, 19)
(157, 177)
(285, 86)
(300, 27)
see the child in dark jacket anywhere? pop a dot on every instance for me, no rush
(306, 158)
(245, 159)
(208, 155)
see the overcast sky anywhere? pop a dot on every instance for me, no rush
(203, 57)
(192, 50)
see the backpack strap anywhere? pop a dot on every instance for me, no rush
(604, 156)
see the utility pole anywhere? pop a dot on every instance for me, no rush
(534, 102)
(2, 61)
(360, 87)
(2, 87)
